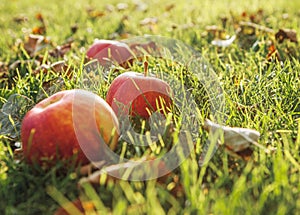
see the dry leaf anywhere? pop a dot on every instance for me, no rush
(236, 139)
(40, 29)
(35, 43)
(122, 6)
(216, 32)
(74, 28)
(149, 21)
(273, 53)
(34, 63)
(255, 27)
(283, 34)
(141, 6)
(20, 19)
(92, 13)
(224, 43)
(169, 7)
(60, 51)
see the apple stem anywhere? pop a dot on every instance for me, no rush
(146, 68)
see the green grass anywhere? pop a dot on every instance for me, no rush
(260, 94)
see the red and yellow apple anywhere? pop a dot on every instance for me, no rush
(108, 52)
(137, 94)
(49, 131)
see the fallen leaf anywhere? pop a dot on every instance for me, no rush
(40, 29)
(122, 6)
(216, 32)
(255, 27)
(244, 154)
(273, 53)
(35, 43)
(149, 21)
(92, 13)
(169, 7)
(141, 6)
(61, 50)
(74, 28)
(236, 140)
(20, 19)
(40, 17)
(109, 7)
(289, 34)
(57, 67)
(16, 64)
(224, 43)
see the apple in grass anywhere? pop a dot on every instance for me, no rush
(139, 95)
(48, 130)
(110, 51)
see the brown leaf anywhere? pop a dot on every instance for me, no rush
(60, 51)
(17, 63)
(169, 7)
(34, 43)
(273, 53)
(74, 28)
(254, 27)
(244, 154)
(283, 34)
(40, 29)
(20, 19)
(216, 32)
(59, 66)
(39, 17)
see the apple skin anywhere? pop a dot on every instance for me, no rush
(109, 51)
(133, 94)
(48, 133)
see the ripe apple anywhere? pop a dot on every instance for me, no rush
(110, 51)
(48, 130)
(137, 94)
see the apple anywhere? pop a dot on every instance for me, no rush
(138, 94)
(110, 51)
(48, 130)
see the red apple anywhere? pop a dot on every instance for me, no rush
(137, 94)
(110, 51)
(48, 130)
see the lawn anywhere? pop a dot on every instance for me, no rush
(258, 72)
